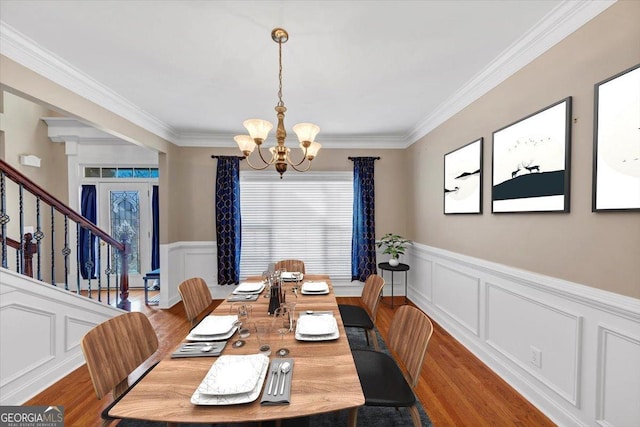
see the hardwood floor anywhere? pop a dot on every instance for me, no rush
(455, 388)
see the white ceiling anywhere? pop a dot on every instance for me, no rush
(369, 73)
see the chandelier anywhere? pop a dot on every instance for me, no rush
(259, 130)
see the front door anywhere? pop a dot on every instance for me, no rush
(125, 213)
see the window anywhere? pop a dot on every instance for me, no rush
(303, 216)
(114, 172)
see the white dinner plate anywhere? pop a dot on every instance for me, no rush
(214, 325)
(316, 325)
(289, 276)
(256, 290)
(232, 374)
(304, 292)
(327, 337)
(220, 337)
(233, 399)
(315, 287)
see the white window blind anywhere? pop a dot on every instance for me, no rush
(303, 216)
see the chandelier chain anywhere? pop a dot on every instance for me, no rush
(280, 102)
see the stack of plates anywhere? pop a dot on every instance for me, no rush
(248, 288)
(232, 379)
(315, 288)
(214, 328)
(292, 276)
(317, 327)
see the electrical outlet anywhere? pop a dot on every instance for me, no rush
(536, 357)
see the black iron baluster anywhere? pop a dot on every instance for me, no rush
(78, 257)
(53, 246)
(66, 252)
(89, 265)
(38, 236)
(108, 273)
(98, 269)
(4, 219)
(21, 216)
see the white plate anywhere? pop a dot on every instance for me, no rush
(314, 293)
(327, 337)
(249, 287)
(232, 374)
(214, 325)
(316, 287)
(233, 399)
(316, 325)
(291, 276)
(220, 337)
(239, 291)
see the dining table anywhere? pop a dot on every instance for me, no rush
(323, 379)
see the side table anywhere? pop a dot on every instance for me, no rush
(385, 266)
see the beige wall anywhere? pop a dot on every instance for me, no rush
(194, 168)
(601, 250)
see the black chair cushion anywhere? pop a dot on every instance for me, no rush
(355, 316)
(382, 381)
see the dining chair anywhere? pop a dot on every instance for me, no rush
(364, 316)
(383, 382)
(196, 297)
(291, 265)
(113, 350)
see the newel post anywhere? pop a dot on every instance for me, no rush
(124, 304)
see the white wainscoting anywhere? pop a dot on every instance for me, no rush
(588, 340)
(40, 331)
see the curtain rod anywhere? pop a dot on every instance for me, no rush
(352, 158)
(213, 156)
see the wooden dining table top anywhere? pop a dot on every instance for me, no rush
(324, 378)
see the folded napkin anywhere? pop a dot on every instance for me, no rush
(275, 375)
(195, 350)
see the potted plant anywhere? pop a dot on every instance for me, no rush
(394, 245)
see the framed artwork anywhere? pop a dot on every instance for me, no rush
(530, 163)
(616, 143)
(463, 179)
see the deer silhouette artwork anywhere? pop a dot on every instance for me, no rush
(515, 172)
(531, 168)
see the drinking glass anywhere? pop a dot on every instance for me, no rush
(283, 323)
(244, 313)
(262, 328)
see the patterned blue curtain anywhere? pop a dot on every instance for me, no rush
(363, 242)
(87, 255)
(155, 235)
(228, 222)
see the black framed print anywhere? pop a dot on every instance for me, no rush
(463, 179)
(616, 143)
(531, 162)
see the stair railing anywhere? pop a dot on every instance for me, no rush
(117, 251)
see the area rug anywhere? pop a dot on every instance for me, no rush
(368, 416)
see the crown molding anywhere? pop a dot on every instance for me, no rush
(224, 140)
(563, 20)
(28, 53)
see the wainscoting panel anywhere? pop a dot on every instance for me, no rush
(618, 378)
(539, 338)
(40, 331)
(573, 351)
(457, 294)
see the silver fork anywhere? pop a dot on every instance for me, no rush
(274, 372)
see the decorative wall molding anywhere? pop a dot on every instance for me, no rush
(589, 338)
(45, 347)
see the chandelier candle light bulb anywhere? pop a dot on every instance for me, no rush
(259, 130)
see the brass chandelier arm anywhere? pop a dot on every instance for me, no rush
(304, 157)
(301, 170)
(268, 163)
(259, 168)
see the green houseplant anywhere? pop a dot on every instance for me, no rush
(394, 245)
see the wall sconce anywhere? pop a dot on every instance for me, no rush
(30, 160)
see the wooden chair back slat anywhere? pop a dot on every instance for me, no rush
(115, 348)
(409, 335)
(371, 294)
(291, 265)
(196, 297)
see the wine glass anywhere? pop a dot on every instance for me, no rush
(283, 322)
(244, 313)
